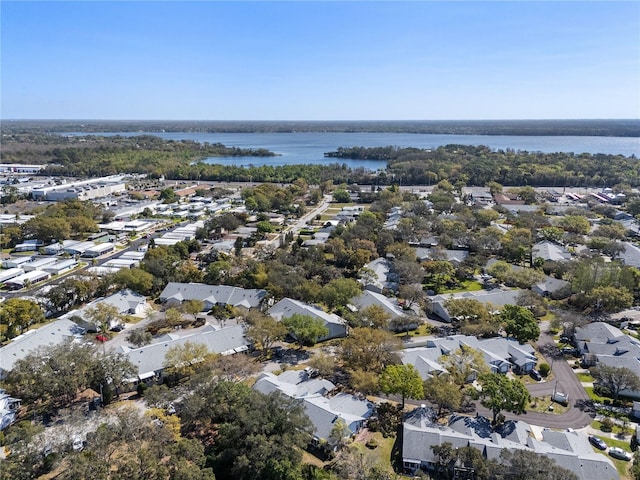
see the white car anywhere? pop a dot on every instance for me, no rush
(620, 454)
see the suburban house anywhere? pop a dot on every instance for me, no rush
(53, 333)
(553, 288)
(500, 354)
(549, 252)
(368, 298)
(377, 279)
(569, 449)
(149, 360)
(631, 255)
(496, 298)
(212, 295)
(287, 307)
(322, 408)
(456, 257)
(602, 344)
(126, 301)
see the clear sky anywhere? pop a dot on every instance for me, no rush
(320, 60)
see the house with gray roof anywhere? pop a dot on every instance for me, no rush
(389, 305)
(496, 298)
(127, 302)
(212, 295)
(569, 449)
(500, 354)
(549, 251)
(631, 254)
(454, 256)
(551, 287)
(149, 360)
(53, 333)
(602, 344)
(288, 307)
(378, 280)
(322, 408)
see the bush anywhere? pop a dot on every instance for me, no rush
(544, 369)
(607, 425)
(371, 443)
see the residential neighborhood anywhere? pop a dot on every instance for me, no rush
(360, 309)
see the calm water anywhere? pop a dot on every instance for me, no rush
(309, 148)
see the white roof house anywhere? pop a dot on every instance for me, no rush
(52, 333)
(287, 307)
(126, 301)
(149, 360)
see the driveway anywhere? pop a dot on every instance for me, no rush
(580, 413)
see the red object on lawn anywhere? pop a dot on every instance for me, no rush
(102, 338)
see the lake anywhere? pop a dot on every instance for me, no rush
(309, 147)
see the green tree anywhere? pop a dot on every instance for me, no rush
(574, 224)
(402, 379)
(183, 360)
(339, 433)
(47, 229)
(53, 375)
(193, 307)
(134, 279)
(247, 435)
(369, 349)
(608, 298)
(305, 329)
(339, 291)
(139, 337)
(444, 392)
(103, 315)
(520, 323)
(615, 379)
(464, 365)
(501, 393)
(341, 195)
(17, 315)
(373, 316)
(439, 274)
(168, 195)
(265, 331)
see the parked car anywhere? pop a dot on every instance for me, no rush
(619, 453)
(117, 328)
(535, 374)
(597, 442)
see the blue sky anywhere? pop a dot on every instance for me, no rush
(320, 60)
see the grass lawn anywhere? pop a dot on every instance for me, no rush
(593, 396)
(584, 377)
(466, 286)
(542, 404)
(381, 455)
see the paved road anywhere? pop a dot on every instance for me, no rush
(579, 414)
